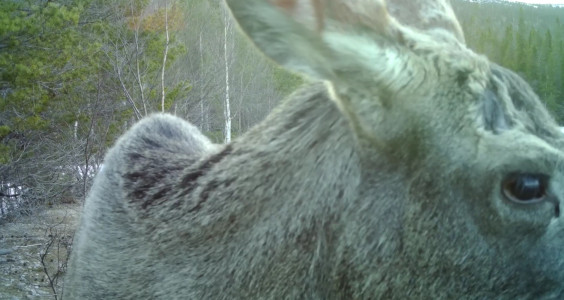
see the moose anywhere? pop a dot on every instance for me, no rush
(409, 167)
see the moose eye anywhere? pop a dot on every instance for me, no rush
(525, 188)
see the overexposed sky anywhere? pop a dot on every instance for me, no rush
(539, 1)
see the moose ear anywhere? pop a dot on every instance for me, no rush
(315, 37)
(347, 42)
(433, 17)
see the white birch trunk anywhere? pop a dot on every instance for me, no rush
(226, 108)
(137, 52)
(164, 59)
(117, 68)
(202, 120)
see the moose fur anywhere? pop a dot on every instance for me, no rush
(391, 178)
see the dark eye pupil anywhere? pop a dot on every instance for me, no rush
(525, 187)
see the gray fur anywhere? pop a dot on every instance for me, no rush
(384, 182)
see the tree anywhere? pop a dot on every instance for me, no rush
(46, 94)
(506, 57)
(228, 33)
(522, 38)
(521, 55)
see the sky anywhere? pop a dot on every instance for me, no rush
(539, 1)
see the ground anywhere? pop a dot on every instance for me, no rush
(22, 243)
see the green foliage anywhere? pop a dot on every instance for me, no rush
(506, 55)
(58, 58)
(285, 81)
(41, 58)
(4, 131)
(178, 91)
(5, 151)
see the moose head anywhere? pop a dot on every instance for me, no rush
(411, 168)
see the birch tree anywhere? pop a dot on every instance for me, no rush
(164, 57)
(227, 51)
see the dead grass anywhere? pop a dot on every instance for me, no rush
(29, 239)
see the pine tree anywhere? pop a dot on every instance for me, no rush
(506, 53)
(529, 61)
(41, 60)
(521, 55)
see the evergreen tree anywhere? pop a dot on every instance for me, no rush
(506, 53)
(41, 61)
(521, 55)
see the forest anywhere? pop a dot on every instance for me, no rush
(75, 74)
